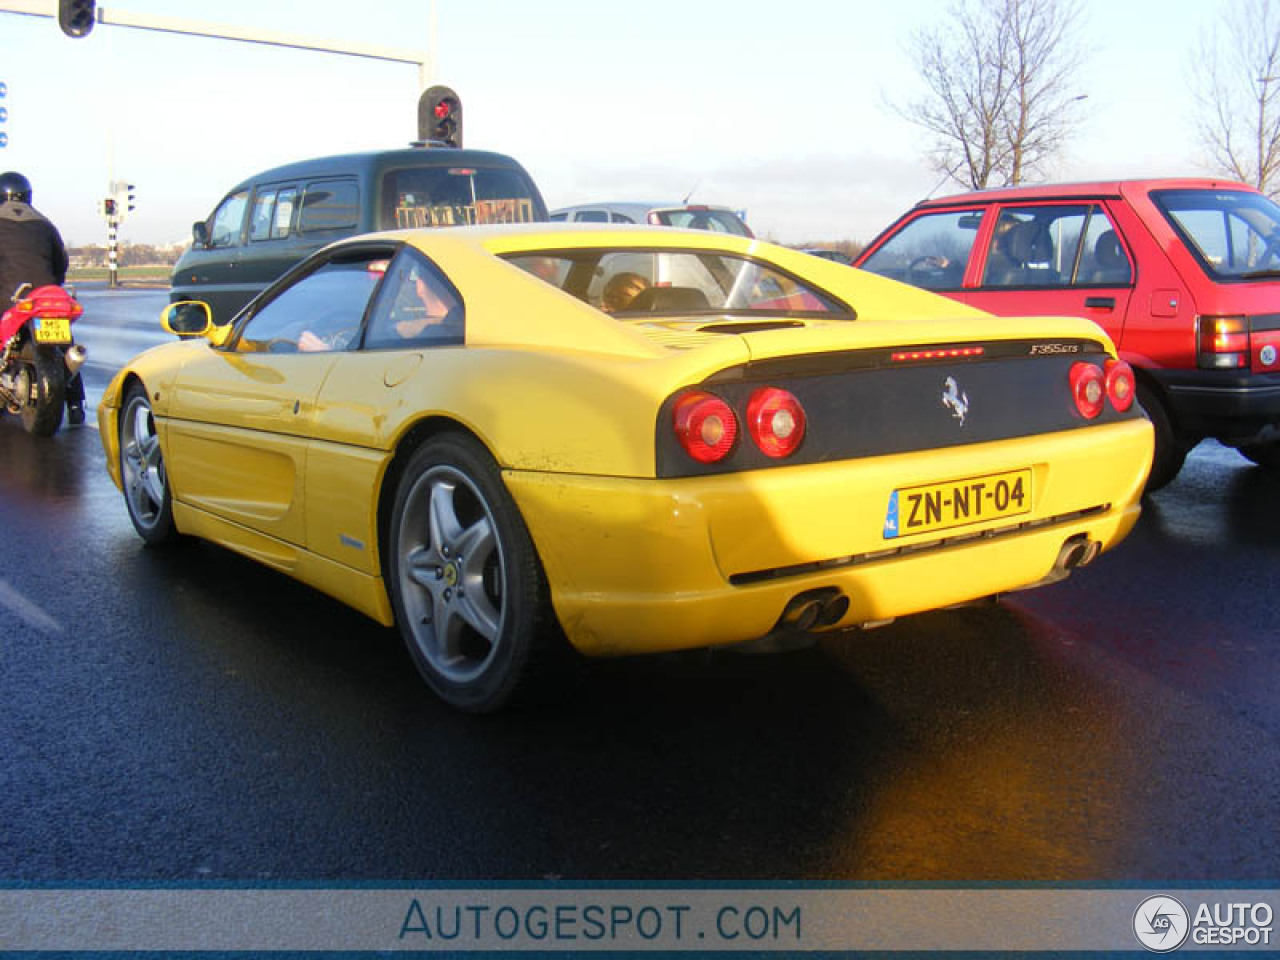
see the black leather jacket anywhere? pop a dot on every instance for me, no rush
(31, 250)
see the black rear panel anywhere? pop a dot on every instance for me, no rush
(867, 404)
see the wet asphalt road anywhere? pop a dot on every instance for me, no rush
(188, 715)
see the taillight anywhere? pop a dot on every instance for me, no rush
(1120, 385)
(1223, 343)
(1088, 389)
(706, 426)
(775, 421)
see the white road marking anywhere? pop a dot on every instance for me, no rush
(12, 600)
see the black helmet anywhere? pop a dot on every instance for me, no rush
(14, 186)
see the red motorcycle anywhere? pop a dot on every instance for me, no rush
(38, 355)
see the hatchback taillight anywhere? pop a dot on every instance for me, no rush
(705, 426)
(775, 421)
(1223, 343)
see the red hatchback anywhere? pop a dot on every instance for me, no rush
(1184, 275)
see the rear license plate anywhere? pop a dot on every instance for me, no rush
(940, 506)
(53, 330)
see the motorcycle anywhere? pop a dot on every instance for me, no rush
(38, 356)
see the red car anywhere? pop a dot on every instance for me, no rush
(1183, 274)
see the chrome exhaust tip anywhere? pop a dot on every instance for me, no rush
(74, 358)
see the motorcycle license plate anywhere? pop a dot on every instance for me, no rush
(53, 330)
(940, 506)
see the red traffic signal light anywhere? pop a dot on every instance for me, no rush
(440, 116)
(77, 17)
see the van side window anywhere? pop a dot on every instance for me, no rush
(285, 202)
(263, 214)
(329, 205)
(228, 220)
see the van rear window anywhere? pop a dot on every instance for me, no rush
(455, 196)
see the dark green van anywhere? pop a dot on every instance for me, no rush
(273, 220)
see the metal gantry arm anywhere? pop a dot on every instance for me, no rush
(195, 28)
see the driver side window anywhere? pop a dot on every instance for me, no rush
(321, 311)
(930, 251)
(227, 220)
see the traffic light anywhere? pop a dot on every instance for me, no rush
(76, 17)
(4, 114)
(107, 207)
(440, 116)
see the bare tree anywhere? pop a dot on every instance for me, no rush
(1003, 95)
(1237, 81)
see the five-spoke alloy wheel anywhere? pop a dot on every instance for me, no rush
(142, 473)
(468, 590)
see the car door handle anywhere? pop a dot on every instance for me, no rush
(1107, 303)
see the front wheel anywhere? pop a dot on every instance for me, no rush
(466, 583)
(45, 392)
(142, 471)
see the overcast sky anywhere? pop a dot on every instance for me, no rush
(778, 109)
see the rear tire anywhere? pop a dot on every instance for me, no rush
(42, 415)
(1170, 448)
(469, 593)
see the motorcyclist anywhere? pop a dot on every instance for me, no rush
(32, 251)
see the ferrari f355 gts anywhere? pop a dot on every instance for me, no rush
(632, 439)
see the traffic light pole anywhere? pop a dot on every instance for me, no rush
(113, 249)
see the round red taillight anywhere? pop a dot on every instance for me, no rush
(775, 421)
(1088, 388)
(706, 426)
(1120, 385)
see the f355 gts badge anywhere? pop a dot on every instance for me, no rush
(955, 399)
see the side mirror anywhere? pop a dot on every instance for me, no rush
(187, 318)
(200, 234)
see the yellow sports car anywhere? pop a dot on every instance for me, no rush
(638, 439)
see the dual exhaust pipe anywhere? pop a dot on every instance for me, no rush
(809, 612)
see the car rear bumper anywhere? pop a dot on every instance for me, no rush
(642, 565)
(1233, 407)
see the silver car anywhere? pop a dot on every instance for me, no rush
(694, 216)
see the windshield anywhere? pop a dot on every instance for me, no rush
(678, 282)
(455, 196)
(1235, 234)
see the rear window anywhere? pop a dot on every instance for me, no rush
(641, 283)
(696, 218)
(418, 197)
(1235, 234)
